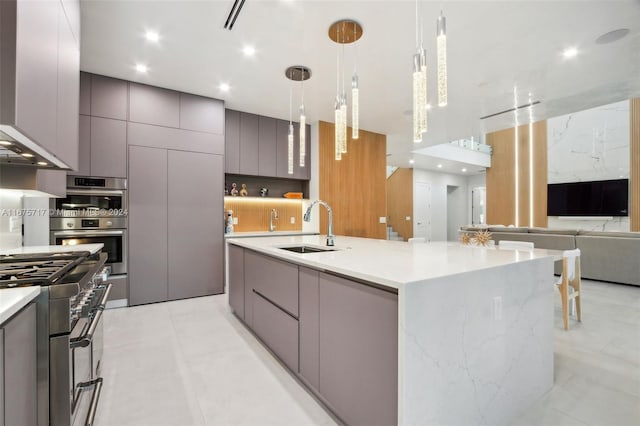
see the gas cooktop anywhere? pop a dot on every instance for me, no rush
(37, 268)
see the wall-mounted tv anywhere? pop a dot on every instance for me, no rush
(595, 198)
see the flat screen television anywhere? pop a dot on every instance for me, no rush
(595, 198)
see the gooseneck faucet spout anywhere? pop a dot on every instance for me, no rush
(307, 218)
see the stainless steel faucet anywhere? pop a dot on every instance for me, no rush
(272, 215)
(307, 218)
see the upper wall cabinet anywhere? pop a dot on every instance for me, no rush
(40, 60)
(108, 97)
(201, 114)
(154, 105)
(258, 146)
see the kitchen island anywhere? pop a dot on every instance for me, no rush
(389, 332)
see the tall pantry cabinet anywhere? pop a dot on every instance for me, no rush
(176, 183)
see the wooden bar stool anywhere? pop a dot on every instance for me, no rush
(570, 279)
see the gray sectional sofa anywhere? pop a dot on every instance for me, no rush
(605, 256)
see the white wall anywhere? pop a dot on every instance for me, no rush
(589, 145)
(441, 218)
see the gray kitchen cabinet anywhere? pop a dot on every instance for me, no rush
(249, 133)
(169, 138)
(154, 105)
(195, 256)
(358, 341)
(236, 279)
(266, 146)
(277, 329)
(201, 114)
(108, 97)
(18, 369)
(85, 93)
(68, 94)
(84, 147)
(108, 147)
(274, 279)
(147, 225)
(282, 150)
(231, 141)
(309, 326)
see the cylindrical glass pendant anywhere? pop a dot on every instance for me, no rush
(417, 111)
(337, 131)
(355, 108)
(442, 60)
(303, 135)
(343, 123)
(290, 150)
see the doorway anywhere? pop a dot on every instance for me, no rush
(456, 210)
(422, 210)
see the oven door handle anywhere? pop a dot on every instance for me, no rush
(95, 397)
(87, 233)
(85, 340)
(98, 192)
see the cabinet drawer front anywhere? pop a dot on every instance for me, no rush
(277, 329)
(274, 279)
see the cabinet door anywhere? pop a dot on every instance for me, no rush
(37, 65)
(282, 152)
(201, 114)
(298, 171)
(108, 147)
(267, 147)
(68, 94)
(249, 130)
(169, 138)
(154, 105)
(236, 279)
(84, 147)
(359, 351)
(147, 225)
(231, 141)
(85, 93)
(20, 369)
(309, 326)
(196, 245)
(108, 97)
(274, 279)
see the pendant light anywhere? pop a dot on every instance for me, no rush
(298, 73)
(343, 32)
(355, 95)
(419, 85)
(441, 39)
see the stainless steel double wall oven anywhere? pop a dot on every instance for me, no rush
(95, 211)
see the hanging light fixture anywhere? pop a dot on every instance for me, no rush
(298, 73)
(419, 85)
(441, 39)
(343, 32)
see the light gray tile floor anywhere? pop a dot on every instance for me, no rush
(191, 362)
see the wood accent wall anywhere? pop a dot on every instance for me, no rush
(354, 187)
(253, 213)
(501, 198)
(634, 143)
(400, 202)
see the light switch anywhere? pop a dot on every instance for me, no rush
(383, 219)
(407, 218)
(235, 220)
(293, 220)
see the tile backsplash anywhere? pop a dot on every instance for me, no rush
(10, 221)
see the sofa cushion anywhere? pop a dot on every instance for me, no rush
(610, 258)
(610, 234)
(513, 229)
(556, 231)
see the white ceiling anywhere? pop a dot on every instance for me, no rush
(493, 46)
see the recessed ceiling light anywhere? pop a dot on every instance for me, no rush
(141, 68)
(612, 36)
(42, 163)
(411, 161)
(464, 170)
(249, 50)
(570, 52)
(26, 154)
(439, 166)
(152, 36)
(224, 87)
(6, 143)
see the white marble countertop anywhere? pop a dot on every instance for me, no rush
(93, 248)
(391, 263)
(248, 234)
(14, 299)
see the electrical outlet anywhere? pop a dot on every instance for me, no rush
(497, 308)
(293, 220)
(235, 220)
(383, 219)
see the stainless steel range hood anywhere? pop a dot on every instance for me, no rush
(18, 149)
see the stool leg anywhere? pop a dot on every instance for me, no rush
(564, 293)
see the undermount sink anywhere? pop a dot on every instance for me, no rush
(306, 249)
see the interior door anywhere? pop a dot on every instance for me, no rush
(422, 210)
(478, 204)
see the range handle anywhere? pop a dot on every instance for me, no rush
(85, 339)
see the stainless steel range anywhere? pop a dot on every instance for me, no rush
(69, 329)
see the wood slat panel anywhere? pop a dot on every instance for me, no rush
(253, 213)
(540, 174)
(354, 187)
(635, 164)
(400, 202)
(501, 178)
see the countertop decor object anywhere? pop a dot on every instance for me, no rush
(297, 195)
(234, 189)
(482, 238)
(465, 238)
(243, 190)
